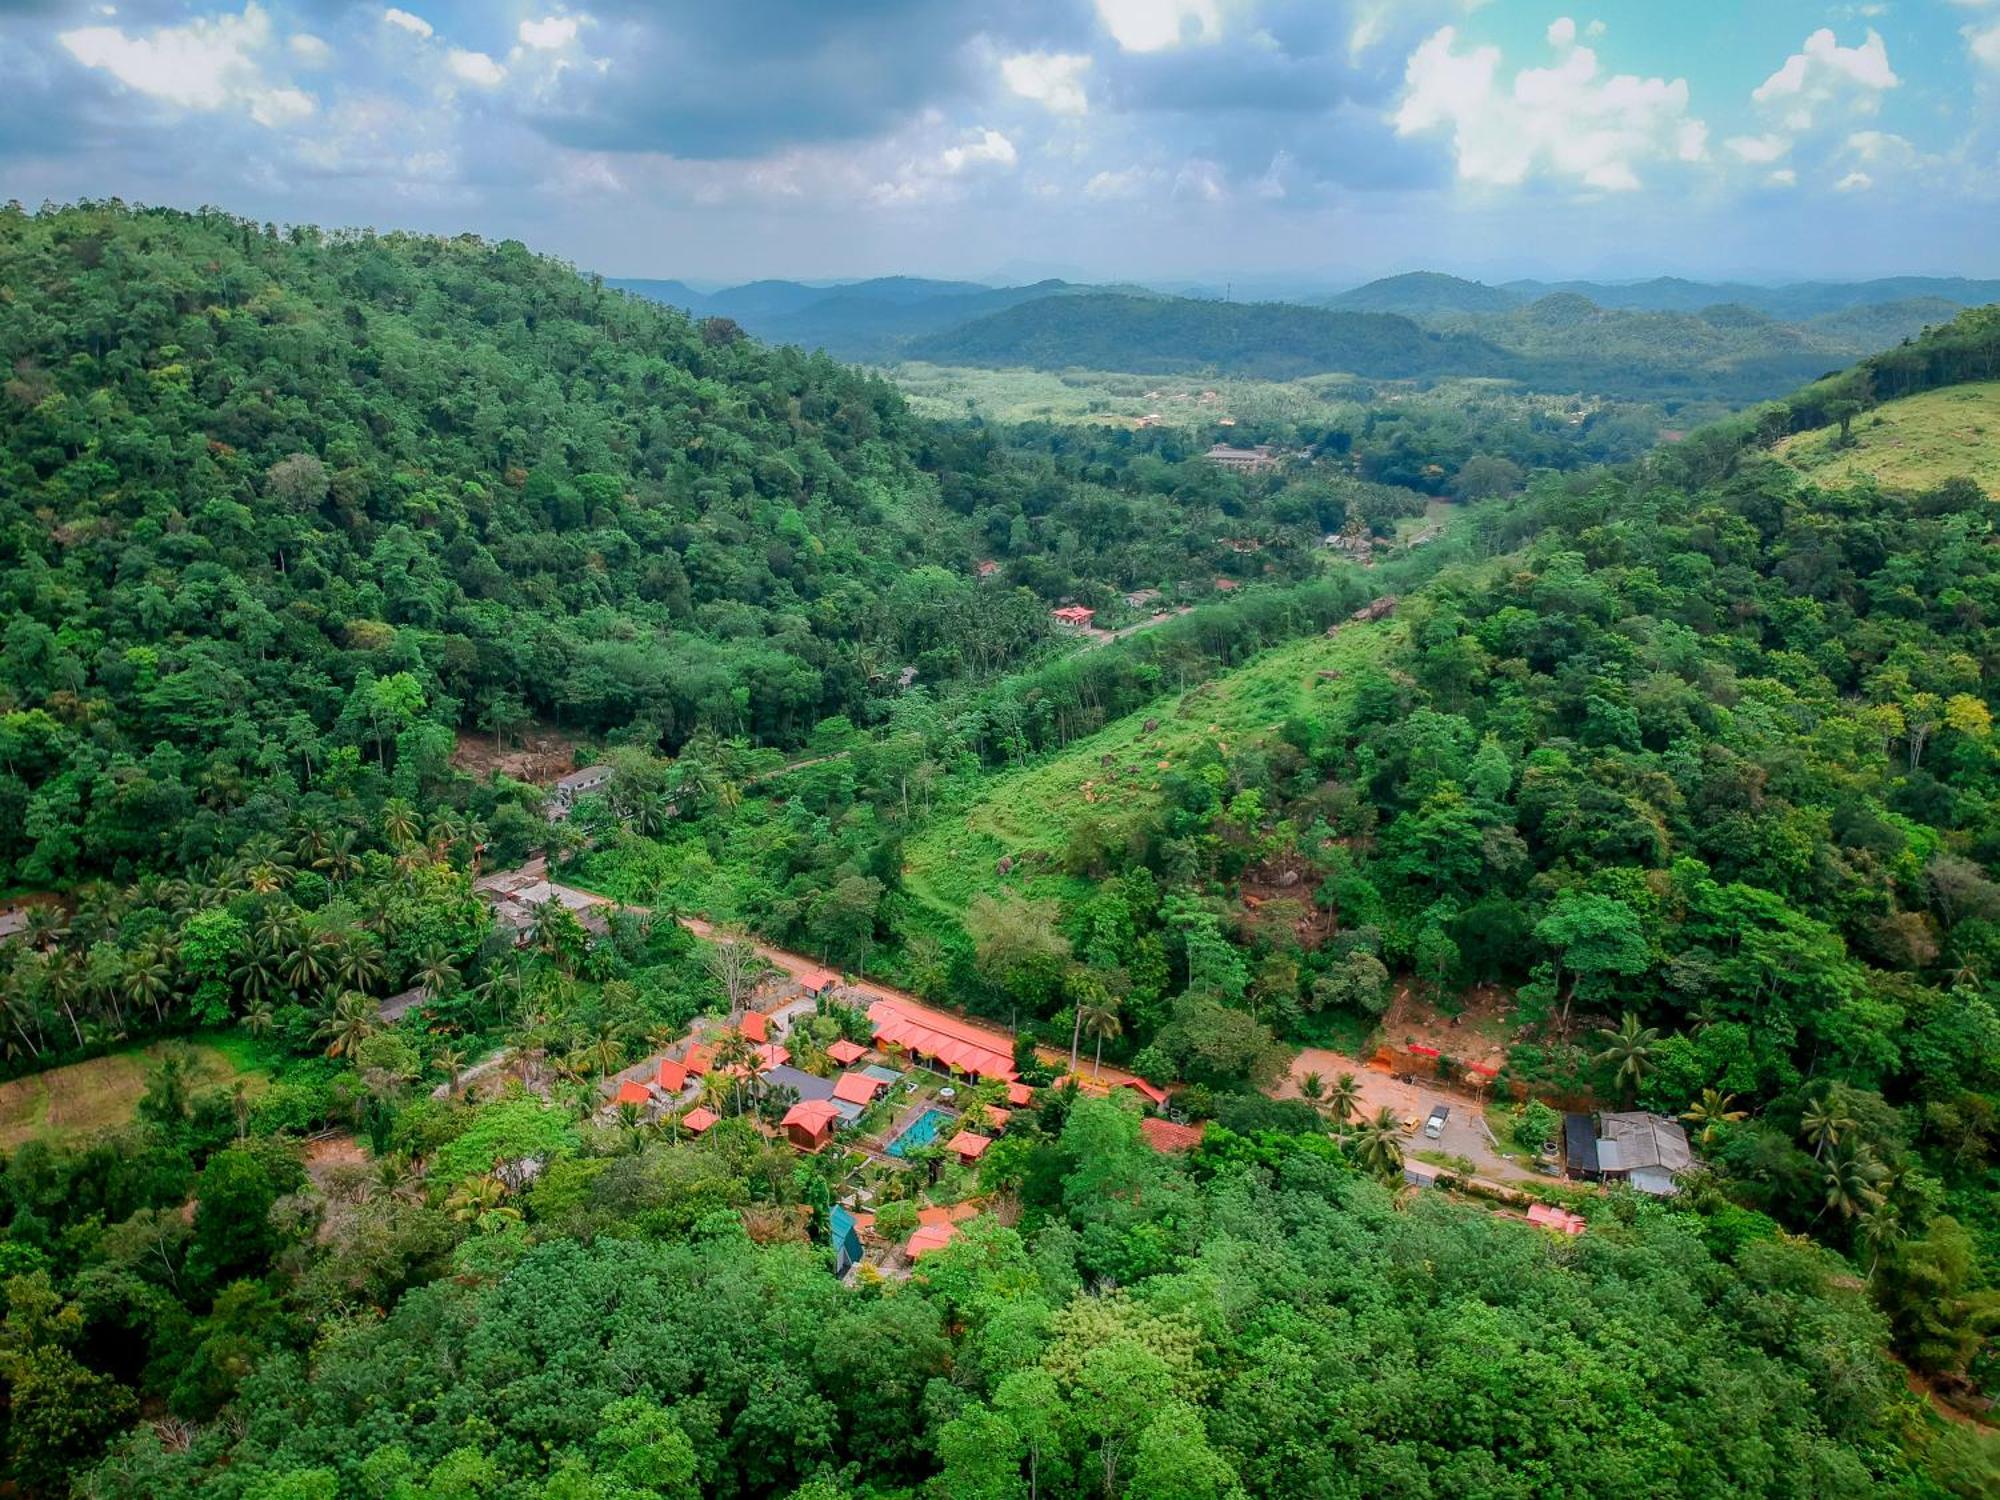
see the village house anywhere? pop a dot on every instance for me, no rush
(1243, 460)
(1646, 1150)
(1073, 616)
(576, 784)
(809, 1123)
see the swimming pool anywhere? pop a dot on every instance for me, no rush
(920, 1133)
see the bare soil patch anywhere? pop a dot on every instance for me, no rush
(544, 754)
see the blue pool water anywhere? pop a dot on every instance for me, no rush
(921, 1132)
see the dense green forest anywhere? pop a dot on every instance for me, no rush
(1691, 757)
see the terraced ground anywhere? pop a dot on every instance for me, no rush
(104, 1092)
(1029, 812)
(1915, 443)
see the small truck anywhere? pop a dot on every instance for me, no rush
(1434, 1126)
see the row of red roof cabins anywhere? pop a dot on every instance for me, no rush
(918, 1033)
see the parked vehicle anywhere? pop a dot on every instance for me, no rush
(1434, 1126)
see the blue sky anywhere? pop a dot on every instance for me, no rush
(1149, 139)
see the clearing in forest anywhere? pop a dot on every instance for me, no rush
(1915, 443)
(78, 1099)
(1026, 815)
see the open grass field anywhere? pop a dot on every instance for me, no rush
(80, 1098)
(1030, 811)
(1915, 443)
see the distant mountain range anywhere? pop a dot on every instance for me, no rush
(1657, 339)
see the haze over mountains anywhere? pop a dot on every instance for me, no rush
(1653, 339)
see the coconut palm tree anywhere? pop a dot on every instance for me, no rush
(1312, 1089)
(147, 980)
(351, 1023)
(1710, 1112)
(358, 963)
(606, 1049)
(1853, 1178)
(481, 1201)
(308, 967)
(1343, 1100)
(256, 976)
(1378, 1144)
(436, 974)
(1629, 1049)
(399, 823)
(1100, 1021)
(259, 1018)
(1880, 1230)
(450, 1062)
(1824, 1124)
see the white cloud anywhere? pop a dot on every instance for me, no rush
(1880, 145)
(1562, 32)
(1053, 80)
(990, 148)
(1823, 71)
(209, 64)
(1154, 25)
(415, 25)
(548, 34)
(1854, 182)
(1126, 182)
(474, 68)
(942, 173)
(310, 50)
(1758, 148)
(1783, 177)
(1564, 120)
(1201, 180)
(1984, 43)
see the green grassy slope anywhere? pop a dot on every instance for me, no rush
(1030, 811)
(1917, 442)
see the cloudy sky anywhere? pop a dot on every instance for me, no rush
(1337, 139)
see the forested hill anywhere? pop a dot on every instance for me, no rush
(256, 488)
(1270, 340)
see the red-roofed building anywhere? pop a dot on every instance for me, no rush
(1560, 1220)
(698, 1119)
(970, 1145)
(988, 568)
(755, 1026)
(818, 981)
(700, 1058)
(856, 1088)
(937, 1036)
(631, 1091)
(1166, 1137)
(772, 1055)
(1020, 1095)
(929, 1238)
(673, 1076)
(1073, 616)
(1151, 1091)
(956, 1213)
(846, 1053)
(809, 1123)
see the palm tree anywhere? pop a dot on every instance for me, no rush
(436, 974)
(351, 1023)
(256, 976)
(451, 1063)
(606, 1049)
(1312, 1089)
(735, 1056)
(309, 965)
(1343, 1100)
(1881, 1230)
(1100, 1021)
(1710, 1112)
(358, 963)
(259, 1018)
(1630, 1050)
(147, 980)
(399, 823)
(482, 1201)
(1824, 1124)
(1852, 1179)
(1378, 1145)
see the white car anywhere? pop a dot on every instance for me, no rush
(1434, 1126)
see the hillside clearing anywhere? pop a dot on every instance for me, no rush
(1028, 813)
(1915, 443)
(101, 1093)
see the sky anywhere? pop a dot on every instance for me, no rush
(1252, 141)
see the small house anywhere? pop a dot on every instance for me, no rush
(1020, 1095)
(969, 1145)
(809, 1123)
(1169, 1138)
(631, 1091)
(845, 1053)
(817, 982)
(1073, 616)
(930, 1238)
(1557, 1220)
(700, 1058)
(988, 567)
(671, 1076)
(1646, 1150)
(755, 1026)
(857, 1088)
